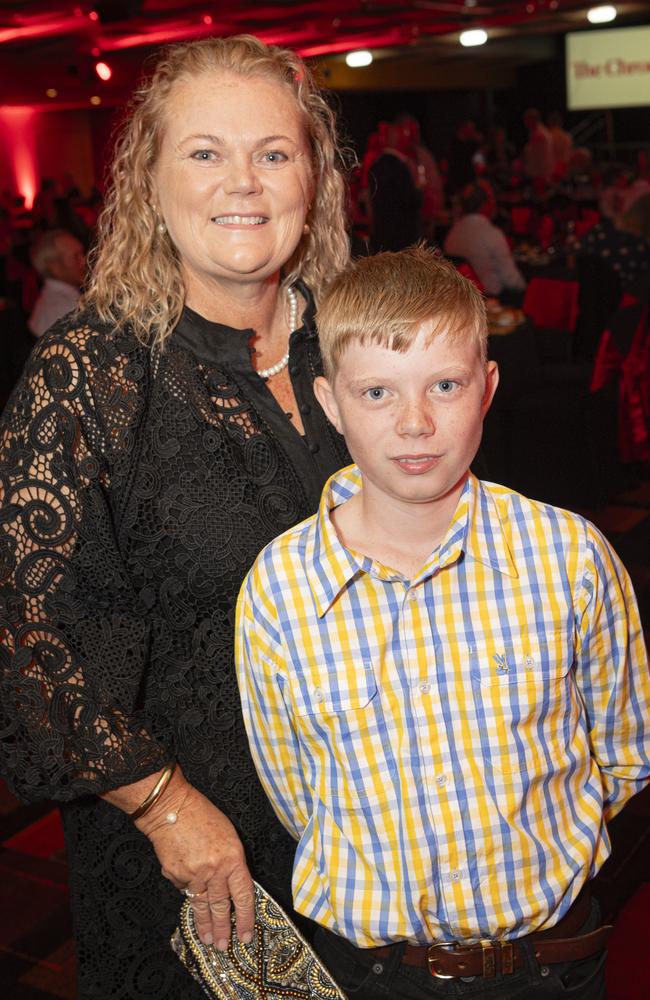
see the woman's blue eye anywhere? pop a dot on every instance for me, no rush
(202, 154)
(447, 385)
(376, 392)
(275, 156)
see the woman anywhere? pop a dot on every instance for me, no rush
(159, 438)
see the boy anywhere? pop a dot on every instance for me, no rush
(444, 684)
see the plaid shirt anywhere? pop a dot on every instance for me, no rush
(446, 749)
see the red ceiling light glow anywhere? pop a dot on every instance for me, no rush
(103, 71)
(96, 52)
(93, 15)
(207, 19)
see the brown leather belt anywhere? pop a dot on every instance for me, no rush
(450, 959)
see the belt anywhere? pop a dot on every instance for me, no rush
(450, 959)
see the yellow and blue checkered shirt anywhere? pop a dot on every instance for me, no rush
(446, 749)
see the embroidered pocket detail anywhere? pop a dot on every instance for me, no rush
(521, 694)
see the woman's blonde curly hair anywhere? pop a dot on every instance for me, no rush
(136, 276)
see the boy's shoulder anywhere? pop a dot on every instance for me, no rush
(285, 554)
(544, 523)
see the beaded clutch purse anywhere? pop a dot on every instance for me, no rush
(277, 963)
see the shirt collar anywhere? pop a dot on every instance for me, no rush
(477, 531)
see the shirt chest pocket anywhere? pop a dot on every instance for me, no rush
(334, 693)
(521, 698)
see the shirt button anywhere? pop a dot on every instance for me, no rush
(314, 447)
(441, 780)
(454, 876)
(318, 694)
(294, 370)
(425, 687)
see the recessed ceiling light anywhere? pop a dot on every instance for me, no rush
(359, 58)
(600, 15)
(475, 36)
(52, 92)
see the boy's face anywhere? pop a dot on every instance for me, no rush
(412, 421)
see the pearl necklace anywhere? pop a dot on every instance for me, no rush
(292, 296)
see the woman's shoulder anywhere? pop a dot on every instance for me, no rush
(84, 331)
(88, 367)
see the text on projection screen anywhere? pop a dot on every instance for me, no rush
(608, 69)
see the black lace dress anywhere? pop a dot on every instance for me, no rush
(136, 492)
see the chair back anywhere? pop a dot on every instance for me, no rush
(468, 272)
(521, 218)
(552, 304)
(600, 295)
(624, 354)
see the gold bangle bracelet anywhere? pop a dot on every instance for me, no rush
(155, 792)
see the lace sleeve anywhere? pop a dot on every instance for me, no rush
(74, 647)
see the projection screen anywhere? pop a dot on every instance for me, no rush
(608, 69)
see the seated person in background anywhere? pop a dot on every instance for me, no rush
(623, 243)
(444, 684)
(637, 188)
(578, 182)
(483, 245)
(612, 190)
(59, 258)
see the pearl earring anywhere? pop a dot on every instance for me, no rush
(306, 229)
(161, 228)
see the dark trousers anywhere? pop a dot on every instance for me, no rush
(364, 977)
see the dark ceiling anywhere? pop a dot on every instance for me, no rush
(55, 45)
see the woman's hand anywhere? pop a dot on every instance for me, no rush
(199, 852)
(202, 853)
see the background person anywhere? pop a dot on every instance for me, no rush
(394, 199)
(561, 143)
(150, 449)
(465, 146)
(445, 684)
(538, 151)
(623, 244)
(59, 258)
(483, 245)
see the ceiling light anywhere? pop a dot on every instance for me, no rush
(52, 92)
(95, 100)
(359, 58)
(475, 36)
(600, 15)
(103, 71)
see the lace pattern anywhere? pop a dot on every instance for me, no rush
(134, 497)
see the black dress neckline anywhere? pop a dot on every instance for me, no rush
(219, 343)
